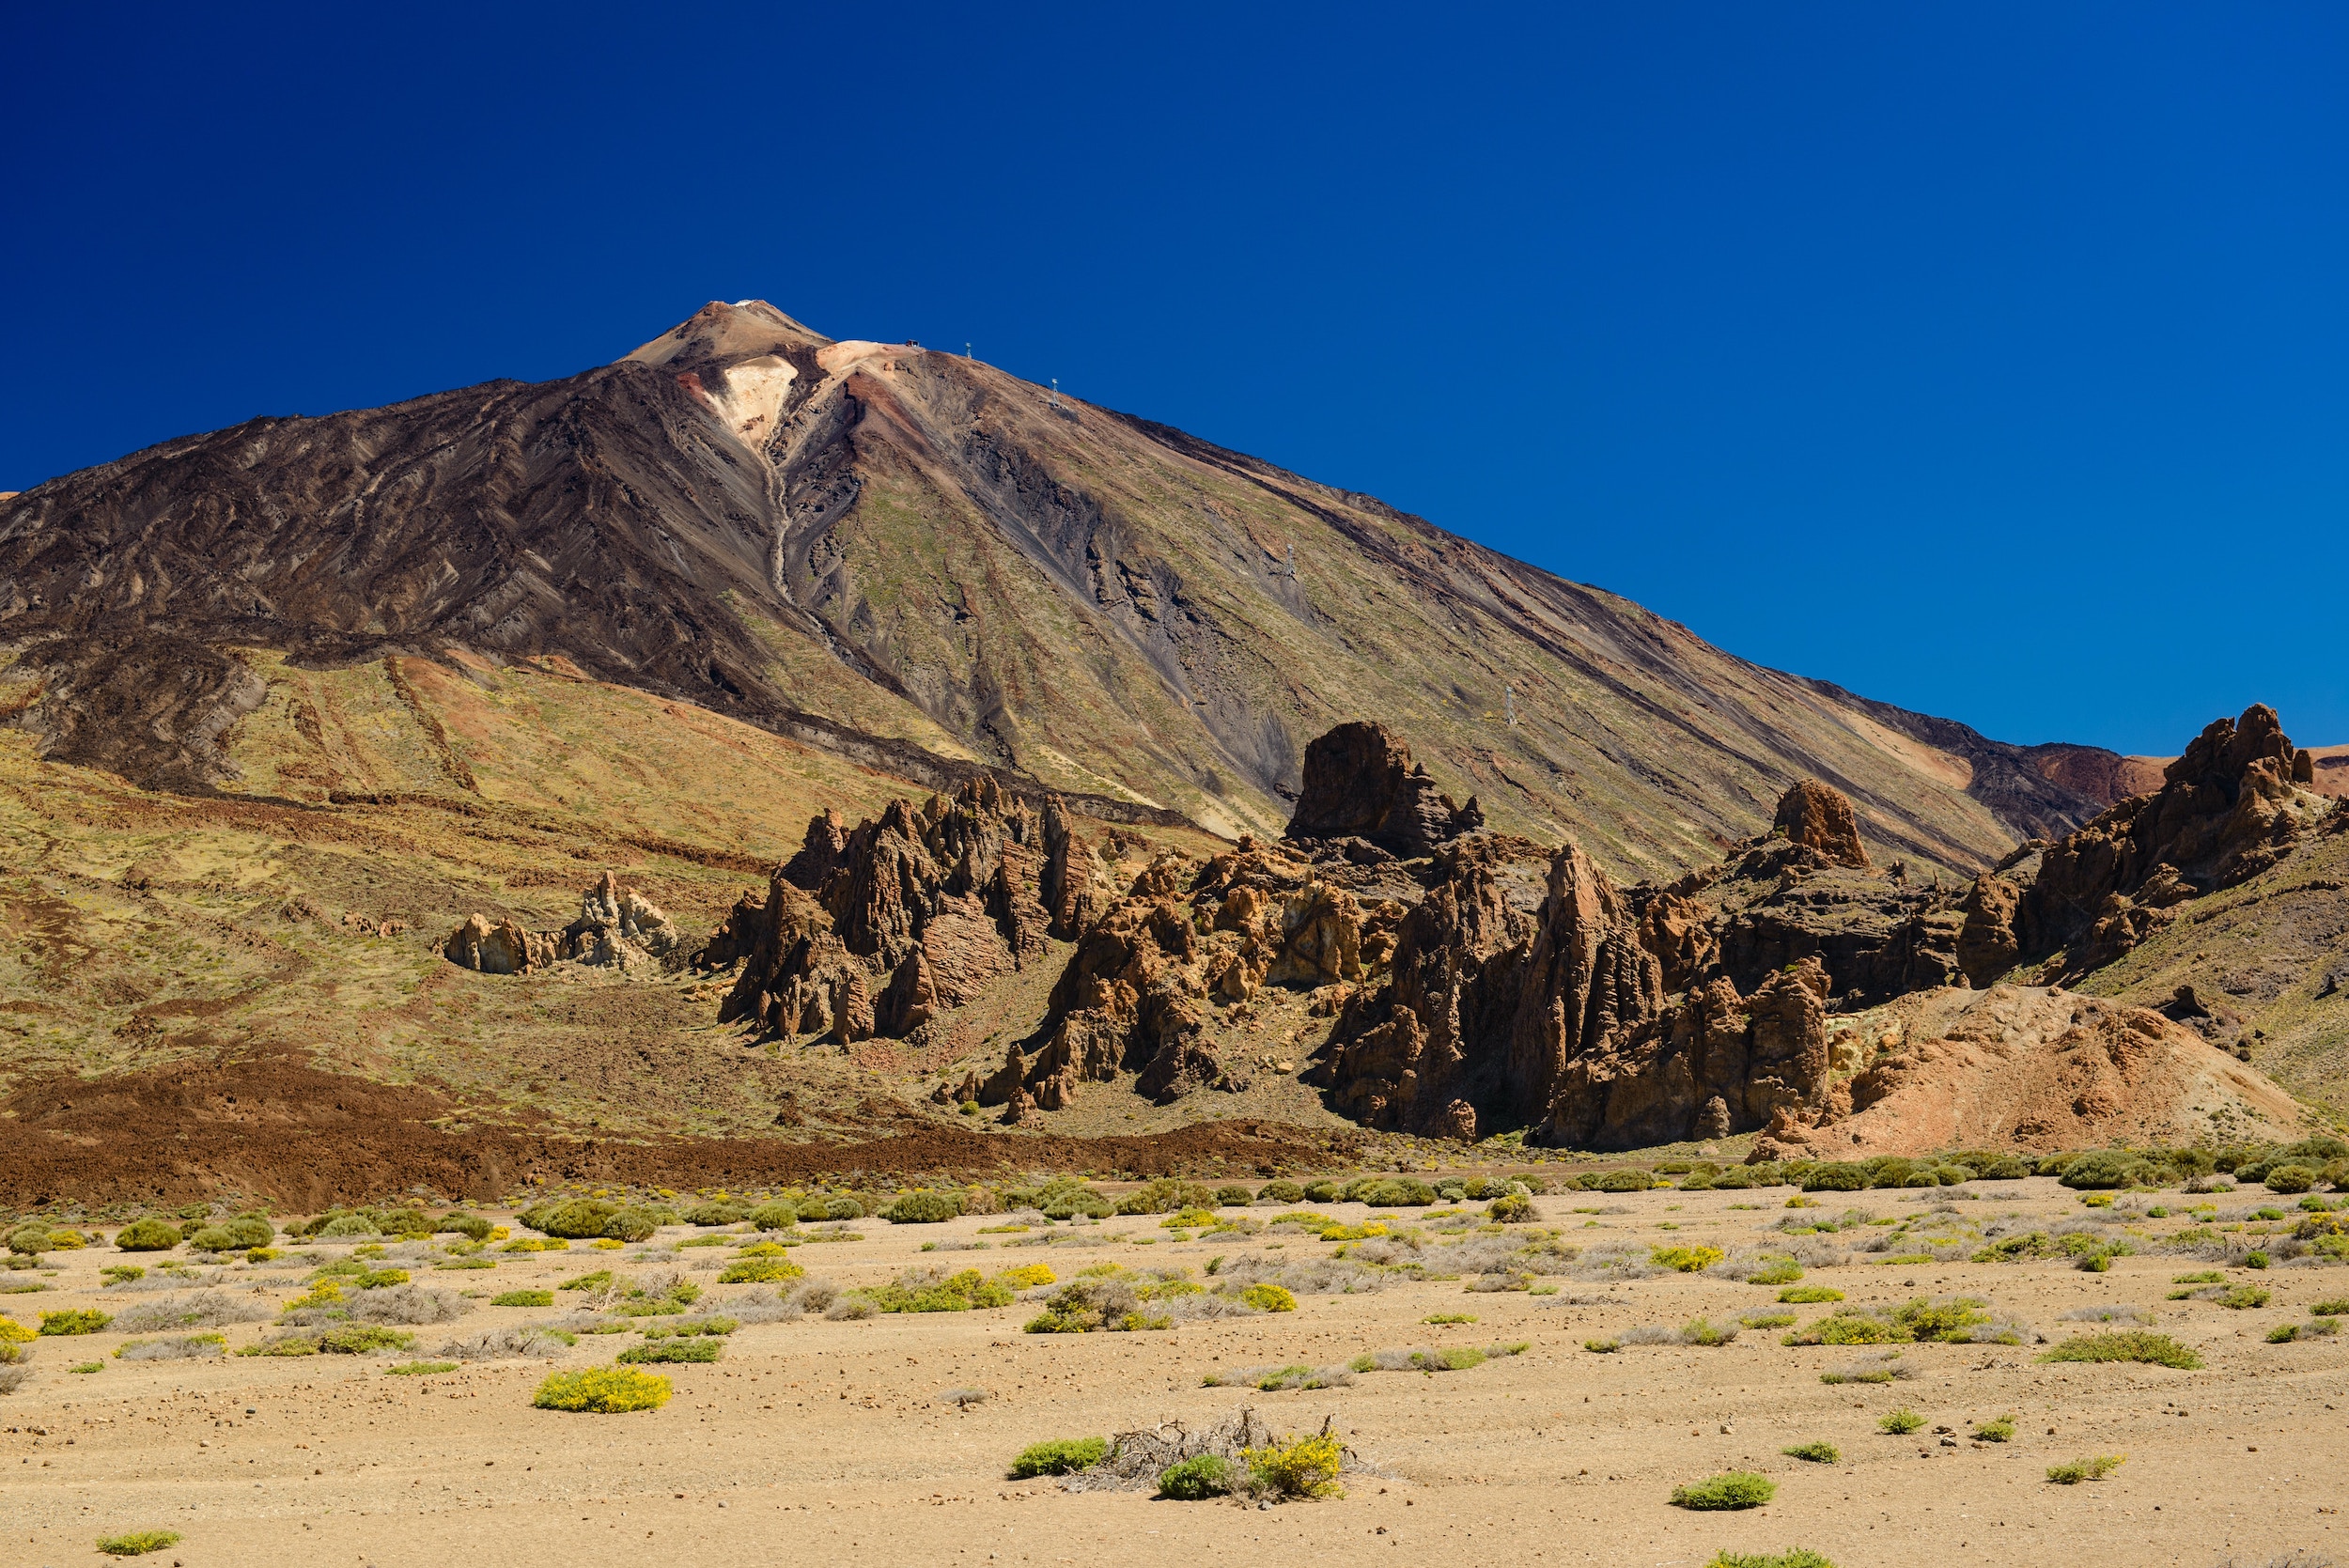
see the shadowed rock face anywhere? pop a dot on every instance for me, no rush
(1360, 784)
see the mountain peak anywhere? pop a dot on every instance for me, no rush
(721, 334)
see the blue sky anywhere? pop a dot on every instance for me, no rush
(1985, 359)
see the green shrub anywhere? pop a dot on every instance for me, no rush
(923, 1207)
(1196, 1479)
(1781, 1271)
(1804, 1295)
(2001, 1168)
(1511, 1208)
(138, 1543)
(1396, 1192)
(2283, 1333)
(1233, 1197)
(2242, 1297)
(1269, 1299)
(1766, 1319)
(2108, 1168)
(147, 1236)
(779, 1215)
(1624, 1180)
(1899, 1423)
(1602, 1347)
(250, 1229)
(2330, 1308)
(716, 1214)
(29, 1241)
(363, 1340)
(760, 1271)
(1815, 1453)
(1687, 1260)
(1732, 1489)
(603, 1390)
(1835, 1176)
(212, 1238)
(632, 1225)
(1324, 1191)
(2291, 1178)
(2136, 1344)
(1279, 1193)
(1792, 1557)
(696, 1349)
(2094, 1468)
(419, 1369)
(576, 1218)
(86, 1320)
(524, 1298)
(2000, 1431)
(1061, 1457)
(1301, 1468)
(471, 1226)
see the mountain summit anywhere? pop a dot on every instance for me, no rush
(939, 568)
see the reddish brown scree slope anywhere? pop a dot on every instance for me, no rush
(274, 1127)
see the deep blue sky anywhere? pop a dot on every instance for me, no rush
(1985, 359)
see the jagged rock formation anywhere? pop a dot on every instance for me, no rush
(1134, 996)
(1775, 902)
(1557, 1018)
(1360, 784)
(798, 977)
(917, 909)
(615, 926)
(2226, 810)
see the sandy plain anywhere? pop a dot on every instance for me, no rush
(831, 1441)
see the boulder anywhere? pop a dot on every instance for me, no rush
(498, 947)
(1360, 782)
(1820, 817)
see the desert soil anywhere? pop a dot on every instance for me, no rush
(831, 1441)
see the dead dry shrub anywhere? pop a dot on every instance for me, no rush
(207, 1309)
(506, 1343)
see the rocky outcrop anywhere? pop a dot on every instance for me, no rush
(1805, 890)
(798, 977)
(1360, 782)
(1148, 973)
(927, 906)
(616, 927)
(1557, 1018)
(2226, 810)
(499, 947)
(1820, 818)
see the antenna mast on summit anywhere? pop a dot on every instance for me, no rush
(967, 353)
(1056, 391)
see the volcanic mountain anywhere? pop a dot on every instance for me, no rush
(917, 562)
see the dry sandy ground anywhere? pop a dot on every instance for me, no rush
(829, 1441)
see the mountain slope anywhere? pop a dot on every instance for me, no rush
(928, 563)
